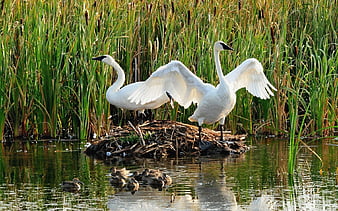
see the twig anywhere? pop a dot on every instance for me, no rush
(311, 150)
(138, 131)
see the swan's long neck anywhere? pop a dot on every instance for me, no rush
(120, 77)
(218, 66)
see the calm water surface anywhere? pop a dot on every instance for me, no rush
(31, 173)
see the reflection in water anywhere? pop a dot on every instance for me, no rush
(215, 194)
(151, 200)
(31, 174)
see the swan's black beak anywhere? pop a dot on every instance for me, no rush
(226, 47)
(99, 58)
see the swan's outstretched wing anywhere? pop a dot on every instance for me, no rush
(175, 79)
(250, 75)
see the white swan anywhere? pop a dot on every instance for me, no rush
(118, 96)
(213, 103)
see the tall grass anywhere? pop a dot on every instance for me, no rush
(50, 87)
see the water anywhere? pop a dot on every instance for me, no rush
(31, 173)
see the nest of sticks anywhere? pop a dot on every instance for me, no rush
(158, 139)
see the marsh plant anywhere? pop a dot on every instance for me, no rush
(50, 86)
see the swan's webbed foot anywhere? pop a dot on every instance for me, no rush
(204, 145)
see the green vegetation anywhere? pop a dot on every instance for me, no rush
(49, 86)
(130, 139)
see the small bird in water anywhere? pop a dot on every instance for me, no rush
(120, 172)
(137, 175)
(156, 183)
(152, 172)
(122, 179)
(156, 178)
(133, 185)
(71, 186)
(148, 175)
(167, 179)
(119, 178)
(118, 181)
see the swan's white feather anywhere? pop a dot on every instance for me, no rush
(177, 80)
(118, 95)
(249, 74)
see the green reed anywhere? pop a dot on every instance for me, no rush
(3, 107)
(50, 86)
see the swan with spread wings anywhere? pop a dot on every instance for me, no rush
(213, 103)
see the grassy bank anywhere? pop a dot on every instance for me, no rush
(50, 87)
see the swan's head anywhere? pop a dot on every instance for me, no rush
(76, 180)
(105, 59)
(221, 46)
